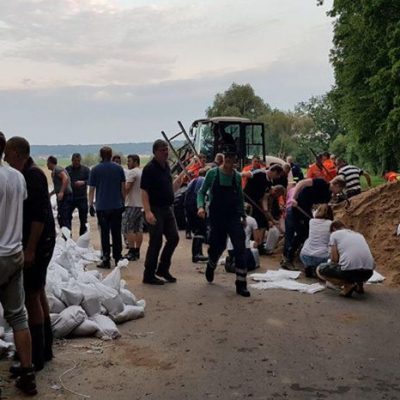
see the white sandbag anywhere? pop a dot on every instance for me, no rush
(106, 325)
(95, 273)
(2, 331)
(104, 291)
(67, 321)
(85, 277)
(8, 336)
(55, 305)
(272, 239)
(128, 297)
(59, 272)
(66, 261)
(103, 310)
(123, 263)
(84, 240)
(114, 305)
(113, 279)
(141, 303)
(256, 256)
(128, 314)
(71, 296)
(65, 232)
(91, 305)
(86, 328)
(5, 347)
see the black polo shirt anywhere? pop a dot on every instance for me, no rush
(37, 206)
(157, 182)
(318, 193)
(79, 174)
(257, 185)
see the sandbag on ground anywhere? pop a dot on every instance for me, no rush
(67, 321)
(106, 325)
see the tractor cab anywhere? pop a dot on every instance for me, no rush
(228, 134)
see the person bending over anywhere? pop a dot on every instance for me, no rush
(351, 262)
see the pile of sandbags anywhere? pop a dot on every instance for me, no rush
(81, 302)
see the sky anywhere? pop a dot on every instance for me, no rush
(105, 71)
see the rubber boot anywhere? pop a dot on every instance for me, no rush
(48, 340)
(241, 288)
(37, 335)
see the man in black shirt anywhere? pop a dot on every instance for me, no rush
(79, 175)
(158, 198)
(296, 170)
(308, 192)
(38, 243)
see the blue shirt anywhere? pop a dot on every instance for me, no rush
(107, 178)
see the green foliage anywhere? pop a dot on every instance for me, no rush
(238, 101)
(366, 58)
(90, 159)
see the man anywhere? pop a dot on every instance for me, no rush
(12, 195)
(321, 168)
(132, 219)
(329, 165)
(227, 217)
(158, 199)
(38, 243)
(197, 225)
(258, 185)
(79, 175)
(296, 170)
(351, 263)
(351, 175)
(307, 193)
(63, 191)
(107, 181)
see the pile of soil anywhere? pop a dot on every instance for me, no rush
(376, 214)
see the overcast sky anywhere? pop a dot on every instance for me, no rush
(101, 71)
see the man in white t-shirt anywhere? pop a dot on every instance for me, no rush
(132, 219)
(12, 297)
(351, 264)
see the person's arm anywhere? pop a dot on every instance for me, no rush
(367, 178)
(241, 197)
(201, 195)
(267, 203)
(64, 183)
(91, 195)
(177, 183)
(150, 218)
(334, 254)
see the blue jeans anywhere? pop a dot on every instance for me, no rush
(312, 261)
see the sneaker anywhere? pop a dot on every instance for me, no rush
(209, 273)
(167, 276)
(152, 280)
(26, 381)
(105, 264)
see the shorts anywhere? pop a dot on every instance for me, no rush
(35, 275)
(12, 295)
(132, 220)
(333, 270)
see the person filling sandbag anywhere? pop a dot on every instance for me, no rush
(351, 262)
(316, 248)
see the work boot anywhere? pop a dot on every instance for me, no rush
(241, 288)
(48, 340)
(37, 335)
(26, 381)
(152, 280)
(288, 265)
(166, 275)
(105, 264)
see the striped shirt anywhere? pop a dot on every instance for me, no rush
(351, 175)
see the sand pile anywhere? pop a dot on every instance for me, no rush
(376, 214)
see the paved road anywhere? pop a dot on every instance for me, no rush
(202, 341)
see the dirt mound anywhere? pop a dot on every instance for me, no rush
(376, 214)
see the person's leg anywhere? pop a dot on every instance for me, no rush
(289, 234)
(332, 273)
(64, 211)
(82, 206)
(154, 247)
(103, 220)
(237, 236)
(170, 231)
(218, 237)
(301, 226)
(48, 332)
(116, 234)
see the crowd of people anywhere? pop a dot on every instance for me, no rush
(246, 211)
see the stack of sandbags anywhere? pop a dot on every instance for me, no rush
(81, 302)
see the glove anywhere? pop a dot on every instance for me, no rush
(92, 211)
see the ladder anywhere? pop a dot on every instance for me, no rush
(184, 154)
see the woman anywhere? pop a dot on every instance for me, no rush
(316, 248)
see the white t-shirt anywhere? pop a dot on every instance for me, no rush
(12, 196)
(354, 252)
(317, 244)
(134, 197)
(251, 225)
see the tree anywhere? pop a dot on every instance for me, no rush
(366, 60)
(238, 101)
